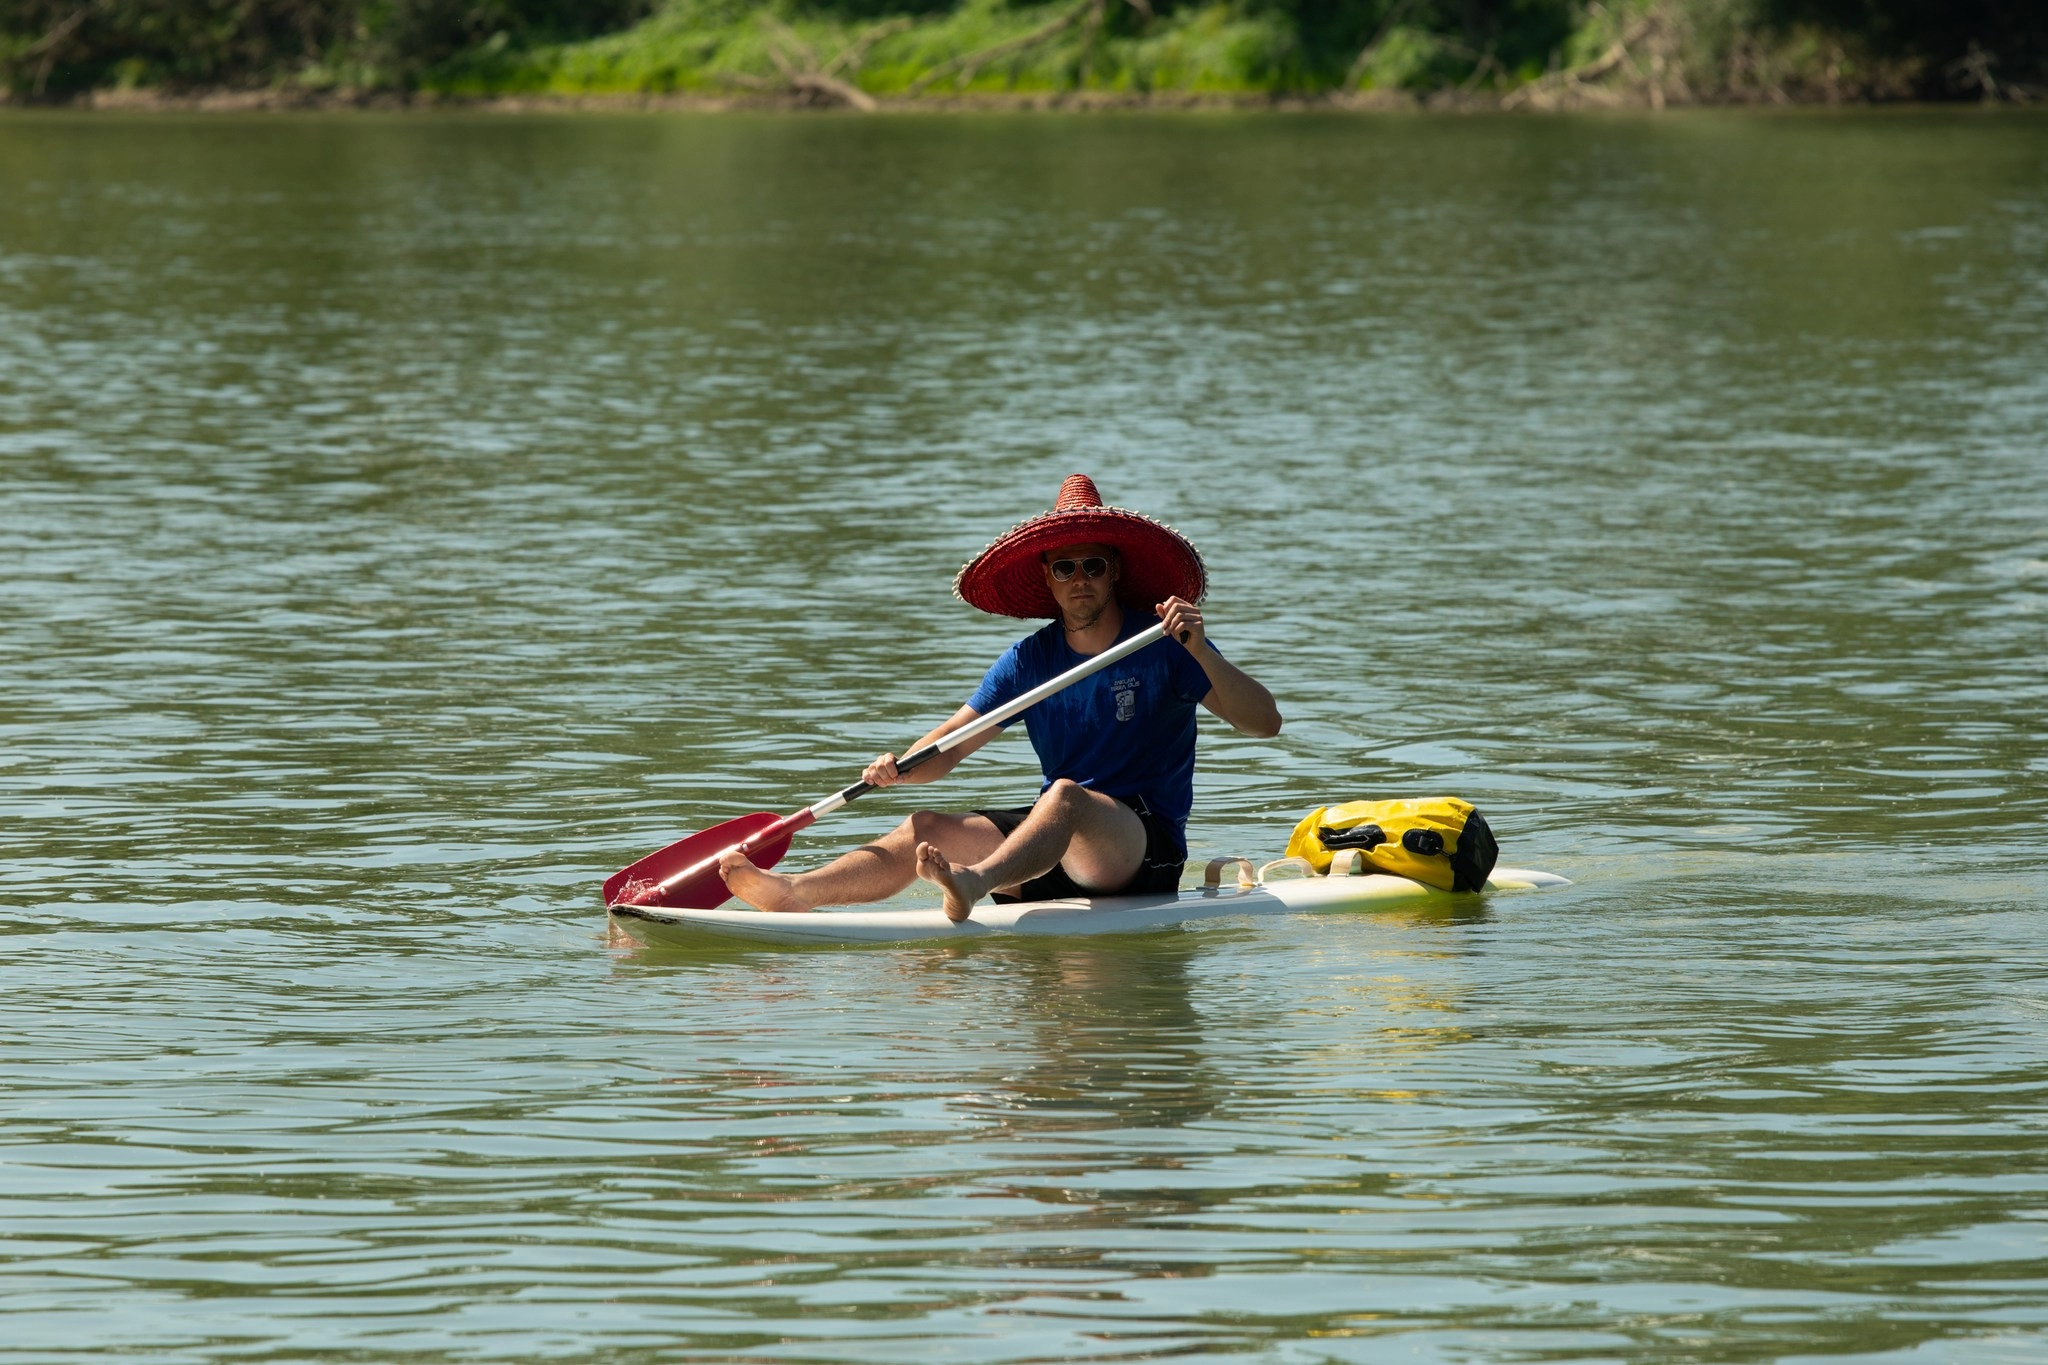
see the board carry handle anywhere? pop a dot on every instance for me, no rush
(1301, 864)
(1350, 860)
(1212, 875)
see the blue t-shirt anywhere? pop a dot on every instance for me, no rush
(1126, 731)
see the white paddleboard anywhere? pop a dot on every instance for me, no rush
(1092, 915)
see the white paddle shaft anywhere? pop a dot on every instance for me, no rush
(981, 725)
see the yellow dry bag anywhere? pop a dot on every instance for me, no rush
(1439, 841)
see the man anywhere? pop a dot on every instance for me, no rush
(1117, 749)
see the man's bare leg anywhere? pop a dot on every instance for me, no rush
(871, 872)
(1097, 838)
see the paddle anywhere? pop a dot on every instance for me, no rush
(685, 874)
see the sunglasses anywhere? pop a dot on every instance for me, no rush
(1094, 566)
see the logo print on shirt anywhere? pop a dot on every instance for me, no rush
(1126, 690)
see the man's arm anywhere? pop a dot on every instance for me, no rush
(1234, 694)
(882, 772)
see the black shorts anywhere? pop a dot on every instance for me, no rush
(1158, 874)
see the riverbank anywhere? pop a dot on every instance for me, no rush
(286, 100)
(720, 54)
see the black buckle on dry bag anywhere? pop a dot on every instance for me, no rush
(1426, 842)
(1367, 837)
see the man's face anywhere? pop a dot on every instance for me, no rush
(1082, 597)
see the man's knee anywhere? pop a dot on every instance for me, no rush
(1064, 794)
(1075, 806)
(925, 826)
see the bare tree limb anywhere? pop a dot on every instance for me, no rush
(783, 33)
(855, 53)
(1487, 62)
(801, 71)
(1089, 34)
(50, 44)
(1972, 70)
(832, 88)
(1365, 54)
(1573, 79)
(966, 66)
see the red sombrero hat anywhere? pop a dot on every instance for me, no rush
(1158, 561)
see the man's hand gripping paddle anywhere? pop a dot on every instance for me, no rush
(684, 876)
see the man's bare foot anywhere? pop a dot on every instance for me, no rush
(762, 890)
(961, 886)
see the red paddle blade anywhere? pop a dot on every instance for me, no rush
(704, 889)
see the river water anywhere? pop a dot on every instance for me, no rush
(407, 521)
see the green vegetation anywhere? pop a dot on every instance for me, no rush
(1537, 53)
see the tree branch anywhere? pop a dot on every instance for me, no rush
(798, 62)
(1365, 54)
(966, 67)
(50, 44)
(1558, 81)
(855, 53)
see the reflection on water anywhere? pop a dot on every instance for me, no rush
(406, 522)
(1118, 1041)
